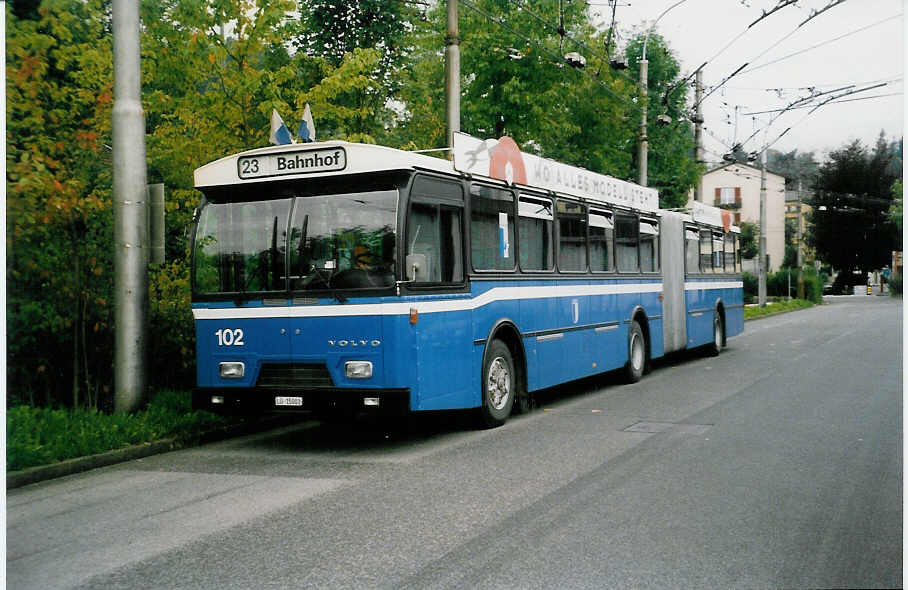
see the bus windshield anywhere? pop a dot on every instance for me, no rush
(297, 243)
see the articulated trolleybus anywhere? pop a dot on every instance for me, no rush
(338, 276)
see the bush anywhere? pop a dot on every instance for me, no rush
(777, 284)
(39, 436)
(895, 284)
(751, 286)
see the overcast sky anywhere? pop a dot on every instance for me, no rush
(858, 42)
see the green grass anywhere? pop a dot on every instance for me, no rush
(40, 436)
(754, 311)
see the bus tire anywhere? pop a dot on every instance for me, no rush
(499, 385)
(636, 354)
(715, 347)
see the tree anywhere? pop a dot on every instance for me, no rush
(59, 91)
(750, 233)
(791, 250)
(799, 169)
(851, 229)
(516, 82)
(335, 31)
(895, 210)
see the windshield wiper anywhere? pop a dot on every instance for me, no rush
(327, 280)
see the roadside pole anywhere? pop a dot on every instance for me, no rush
(452, 72)
(130, 214)
(800, 262)
(762, 254)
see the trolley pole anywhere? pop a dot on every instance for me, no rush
(452, 72)
(762, 255)
(130, 216)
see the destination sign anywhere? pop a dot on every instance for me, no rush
(300, 161)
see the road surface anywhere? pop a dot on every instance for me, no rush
(777, 464)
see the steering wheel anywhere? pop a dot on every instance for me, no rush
(364, 260)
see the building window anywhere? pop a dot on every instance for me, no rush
(728, 196)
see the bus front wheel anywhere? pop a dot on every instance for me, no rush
(636, 357)
(499, 385)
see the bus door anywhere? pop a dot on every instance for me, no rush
(573, 309)
(607, 343)
(441, 333)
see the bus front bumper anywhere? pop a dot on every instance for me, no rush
(245, 401)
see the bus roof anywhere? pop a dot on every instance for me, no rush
(499, 159)
(305, 160)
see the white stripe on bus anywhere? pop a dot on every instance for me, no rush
(425, 305)
(698, 285)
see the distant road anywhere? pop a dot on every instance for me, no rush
(777, 464)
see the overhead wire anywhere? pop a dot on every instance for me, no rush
(806, 49)
(782, 4)
(811, 111)
(813, 15)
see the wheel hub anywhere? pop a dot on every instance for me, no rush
(499, 383)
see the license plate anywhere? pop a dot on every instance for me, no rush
(288, 401)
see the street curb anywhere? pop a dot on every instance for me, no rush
(17, 479)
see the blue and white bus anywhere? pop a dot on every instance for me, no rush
(337, 276)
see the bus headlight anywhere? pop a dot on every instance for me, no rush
(358, 369)
(233, 370)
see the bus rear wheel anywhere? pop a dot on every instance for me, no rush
(715, 347)
(636, 354)
(499, 385)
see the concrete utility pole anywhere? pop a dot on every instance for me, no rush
(698, 131)
(643, 145)
(452, 72)
(762, 255)
(800, 262)
(130, 214)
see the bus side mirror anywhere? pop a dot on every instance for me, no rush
(416, 268)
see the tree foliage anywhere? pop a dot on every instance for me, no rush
(798, 168)
(59, 97)
(851, 228)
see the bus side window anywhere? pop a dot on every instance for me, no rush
(492, 228)
(571, 236)
(434, 244)
(626, 243)
(718, 252)
(692, 250)
(649, 245)
(535, 230)
(706, 251)
(602, 231)
(729, 252)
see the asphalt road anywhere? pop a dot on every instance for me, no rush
(775, 465)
